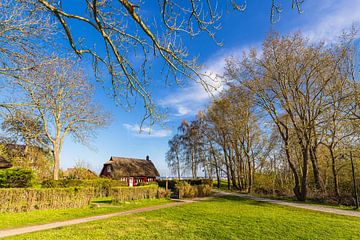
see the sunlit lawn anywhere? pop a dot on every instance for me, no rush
(12, 220)
(224, 218)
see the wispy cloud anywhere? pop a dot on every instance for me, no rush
(189, 100)
(329, 18)
(324, 20)
(138, 131)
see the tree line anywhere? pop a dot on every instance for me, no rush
(285, 123)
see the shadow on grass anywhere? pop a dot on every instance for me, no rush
(102, 200)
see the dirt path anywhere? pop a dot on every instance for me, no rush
(297, 205)
(29, 229)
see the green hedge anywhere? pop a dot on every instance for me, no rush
(185, 190)
(101, 186)
(22, 200)
(122, 194)
(16, 178)
(193, 182)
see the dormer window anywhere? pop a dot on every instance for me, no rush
(109, 168)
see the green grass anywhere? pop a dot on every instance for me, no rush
(222, 218)
(309, 201)
(12, 220)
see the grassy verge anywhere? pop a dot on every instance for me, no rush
(288, 199)
(221, 218)
(12, 220)
(310, 202)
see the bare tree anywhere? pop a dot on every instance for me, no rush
(289, 80)
(59, 94)
(125, 31)
(25, 34)
(173, 155)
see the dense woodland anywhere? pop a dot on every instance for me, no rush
(287, 122)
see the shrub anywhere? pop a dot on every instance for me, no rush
(123, 194)
(268, 184)
(202, 181)
(22, 200)
(193, 182)
(101, 186)
(79, 173)
(185, 190)
(148, 184)
(171, 184)
(163, 193)
(16, 178)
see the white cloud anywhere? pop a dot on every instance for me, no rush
(329, 18)
(138, 131)
(323, 20)
(191, 99)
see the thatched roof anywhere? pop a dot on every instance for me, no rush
(4, 163)
(132, 167)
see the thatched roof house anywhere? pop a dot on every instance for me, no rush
(4, 163)
(132, 170)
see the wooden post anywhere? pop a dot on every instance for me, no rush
(167, 184)
(354, 182)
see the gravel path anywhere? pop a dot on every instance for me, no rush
(29, 229)
(297, 205)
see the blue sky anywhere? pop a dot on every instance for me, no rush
(321, 20)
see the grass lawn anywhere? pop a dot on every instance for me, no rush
(222, 218)
(12, 220)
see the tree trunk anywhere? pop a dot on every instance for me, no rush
(232, 169)
(249, 175)
(317, 178)
(296, 188)
(56, 163)
(178, 166)
(227, 167)
(354, 182)
(193, 167)
(334, 172)
(303, 193)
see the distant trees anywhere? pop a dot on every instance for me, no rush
(286, 117)
(59, 95)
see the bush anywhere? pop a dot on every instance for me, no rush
(268, 184)
(163, 193)
(171, 184)
(16, 178)
(204, 181)
(148, 184)
(101, 186)
(185, 190)
(123, 194)
(193, 182)
(22, 200)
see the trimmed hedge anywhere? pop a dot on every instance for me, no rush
(101, 186)
(122, 194)
(188, 191)
(16, 178)
(193, 182)
(23, 200)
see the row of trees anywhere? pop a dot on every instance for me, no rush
(53, 99)
(287, 120)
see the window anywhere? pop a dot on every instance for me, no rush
(109, 168)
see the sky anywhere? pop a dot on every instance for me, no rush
(321, 20)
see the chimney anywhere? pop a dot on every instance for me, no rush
(147, 158)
